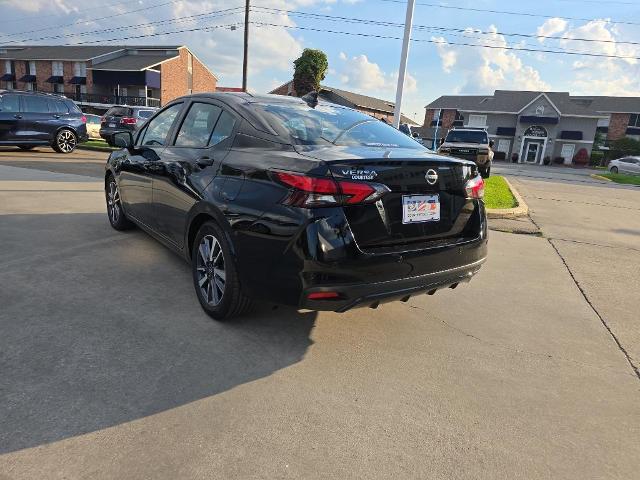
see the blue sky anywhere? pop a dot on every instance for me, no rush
(362, 63)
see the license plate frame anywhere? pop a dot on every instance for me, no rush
(420, 208)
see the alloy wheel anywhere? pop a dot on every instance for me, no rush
(113, 202)
(66, 141)
(211, 270)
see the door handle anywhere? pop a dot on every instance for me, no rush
(18, 116)
(204, 162)
(56, 116)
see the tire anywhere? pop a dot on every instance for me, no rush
(26, 147)
(65, 141)
(614, 170)
(485, 172)
(215, 277)
(116, 215)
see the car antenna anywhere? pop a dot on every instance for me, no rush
(311, 98)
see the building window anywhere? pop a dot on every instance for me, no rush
(436, 114)
(634, 120)
(477, 121)
(57, 69)
(7, 66)
(79, 69)
(31, 68)
(58, 87)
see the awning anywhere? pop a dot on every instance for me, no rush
(633, 131)
(538, 120)
(78, 81)
(28, 78)
(7, 77)
(506, 131)
(55, 79)
(571, 135)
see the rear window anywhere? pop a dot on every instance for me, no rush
(467, 136)
(145, 113)
(9, 103)
(119, 112)
(329, 124)
(35, 104)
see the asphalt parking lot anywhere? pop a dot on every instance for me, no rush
(109, 368)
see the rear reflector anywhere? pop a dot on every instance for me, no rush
(323, 296)
(128, 121)
(84, 119)
(475, 188)
(326, 192)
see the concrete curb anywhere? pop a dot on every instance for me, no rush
(94, 149)
(600, 177)
(520, 211)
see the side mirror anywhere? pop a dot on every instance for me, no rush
(491, 143)
(122, 139)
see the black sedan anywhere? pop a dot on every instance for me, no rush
(291, 201)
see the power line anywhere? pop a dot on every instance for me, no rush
(212, 14)
(436, 28)
(462, 44)
(102, 7)
(507, 12)
(78, 22)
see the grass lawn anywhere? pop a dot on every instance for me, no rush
(622, 178)
(96, 143)
(497, 193)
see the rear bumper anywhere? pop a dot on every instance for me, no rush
(373, 294)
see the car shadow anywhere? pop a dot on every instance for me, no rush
(101, 327)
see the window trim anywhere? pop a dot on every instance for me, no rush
(184, 118)
(172, 130)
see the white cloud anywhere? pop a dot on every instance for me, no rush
(601, 75)
(65, 6)
(363, 75)
(486, 69)
(552, 26)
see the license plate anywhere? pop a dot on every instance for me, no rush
(420, 208)
(112, 125)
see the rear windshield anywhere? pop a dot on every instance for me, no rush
(467, 136)
(145, 113)
(328, 124)
(119, 111)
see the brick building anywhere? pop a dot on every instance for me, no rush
(376, 107)
(535, 125)
(97, 77)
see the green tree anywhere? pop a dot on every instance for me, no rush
(310, 69)
(623, 147)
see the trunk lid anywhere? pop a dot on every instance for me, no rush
(382, 226)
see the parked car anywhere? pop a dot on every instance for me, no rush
(93, 126)
(29, 119)
(471, 144)
(122, 117)
(321, 208)
(629, 165)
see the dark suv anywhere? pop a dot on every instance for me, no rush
(122, 117)
(312, 205)
(29, 119)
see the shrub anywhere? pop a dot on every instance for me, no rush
(514, 158)
(597, 158)
(623, 147)
(546, 160)
(310, 69)
(582, 157)
(558, 160)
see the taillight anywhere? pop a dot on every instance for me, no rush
(326, 192)
(84, 119)
(128, 121)
(324, 296)
(475, 188)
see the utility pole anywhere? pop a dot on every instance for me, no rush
(246, 46)
(403, 62)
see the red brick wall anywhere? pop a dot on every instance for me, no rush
(43, 72)
(20, 72)
(448, 117)
(174, 78)
(67, 70)
(618, 126)
(428, 116)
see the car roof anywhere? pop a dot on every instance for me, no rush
(30, 92)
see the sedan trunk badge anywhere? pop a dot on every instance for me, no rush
(431, 176)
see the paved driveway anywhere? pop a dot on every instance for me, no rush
(109, 369)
